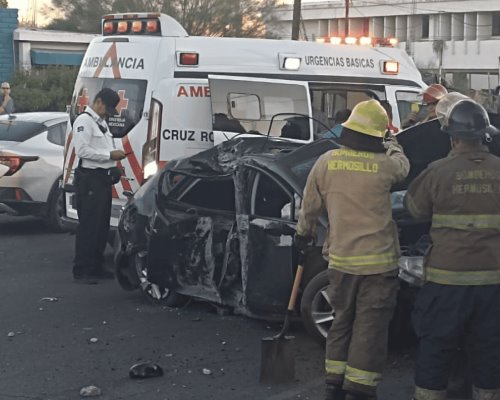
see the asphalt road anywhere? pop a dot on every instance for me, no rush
(46, 351)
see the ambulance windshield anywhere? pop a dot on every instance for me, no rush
(132, 93)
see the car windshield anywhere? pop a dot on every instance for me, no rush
(19, 131)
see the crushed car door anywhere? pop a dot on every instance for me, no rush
(249, 106)
(266, 230)
(192, 230)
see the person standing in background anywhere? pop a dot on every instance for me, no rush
(6, 102)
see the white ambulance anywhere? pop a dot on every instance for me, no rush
(181, 94)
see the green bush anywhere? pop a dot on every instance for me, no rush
(48, 89)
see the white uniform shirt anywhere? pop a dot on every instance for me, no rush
(91, 145)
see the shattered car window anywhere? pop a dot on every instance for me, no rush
(215, 194)
(269, 198)
(170, 180)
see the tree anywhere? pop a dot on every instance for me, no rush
(239, 18)
(3, 4)
(49, 89)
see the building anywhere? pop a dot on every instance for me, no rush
(457, 40)
(39, 48)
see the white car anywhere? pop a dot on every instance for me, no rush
(31, 165)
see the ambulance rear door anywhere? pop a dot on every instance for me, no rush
(247, 106)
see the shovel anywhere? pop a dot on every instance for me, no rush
(277, 358)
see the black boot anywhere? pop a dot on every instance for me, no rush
(334, 392)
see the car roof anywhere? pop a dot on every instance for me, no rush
(288, 160)
(40, 117)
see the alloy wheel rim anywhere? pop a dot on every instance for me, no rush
(322, 312)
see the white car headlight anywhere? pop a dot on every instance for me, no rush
(150, 169)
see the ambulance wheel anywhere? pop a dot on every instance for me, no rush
(55, 209)
(153, 293)
(315, 308)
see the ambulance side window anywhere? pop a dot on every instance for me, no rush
(328, 101)
(408, 102)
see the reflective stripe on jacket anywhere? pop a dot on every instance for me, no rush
(354, 189)
(461, 195)
(359, 376)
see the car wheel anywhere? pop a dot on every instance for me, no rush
(154, 293)
(55, 210)
(125, 271)
(315, 308)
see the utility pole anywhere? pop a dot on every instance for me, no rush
(296, 19)
(346, 23)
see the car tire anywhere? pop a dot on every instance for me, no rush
(125, 271)
(315, 309)
(55, 209)
(153, 293)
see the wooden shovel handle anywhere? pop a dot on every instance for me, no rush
(295, 288)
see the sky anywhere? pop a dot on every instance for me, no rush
(23, 5)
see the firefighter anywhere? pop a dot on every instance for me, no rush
(430, 97)
(460, 301)
(353, 184)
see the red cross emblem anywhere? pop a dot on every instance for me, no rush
(83, 100)
(123, 103)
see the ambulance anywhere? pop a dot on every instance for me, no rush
(180, 94)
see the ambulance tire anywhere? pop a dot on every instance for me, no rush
(315, 310)
(55, 209)
(153, 293)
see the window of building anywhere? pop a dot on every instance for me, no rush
(495, 24)
(425, 27)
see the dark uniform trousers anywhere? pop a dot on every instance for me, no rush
(446, 316)
(93, 204)
(356, 346)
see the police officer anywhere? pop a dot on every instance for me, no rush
(95, 148)
(353, 184)
(460, 301)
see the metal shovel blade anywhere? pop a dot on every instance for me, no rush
(277, 360)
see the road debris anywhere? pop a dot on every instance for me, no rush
(206, 371)
(90, 391)
(93, 340)
(145, 370)
(50, 299)
(11, 334)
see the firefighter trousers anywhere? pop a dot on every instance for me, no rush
(446, 317)
(93, 204)
(356, 345)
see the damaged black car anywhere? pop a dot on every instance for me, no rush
(218, 227)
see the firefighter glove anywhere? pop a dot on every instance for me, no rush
(303, 244)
